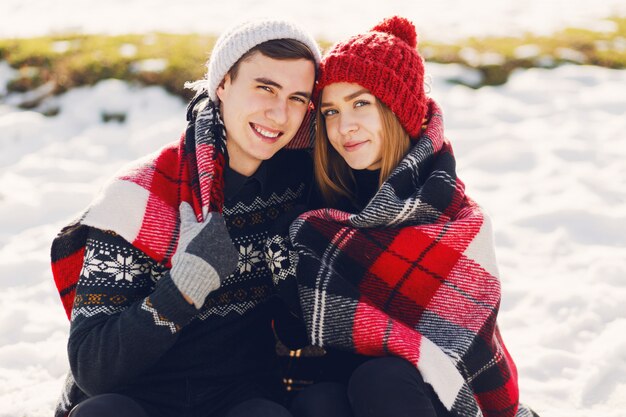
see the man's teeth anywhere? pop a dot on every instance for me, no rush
(266, 133)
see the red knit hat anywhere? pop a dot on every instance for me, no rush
(386, 62)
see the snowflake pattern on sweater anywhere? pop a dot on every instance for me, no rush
(119, 281)
(111, 276)
(118, 289)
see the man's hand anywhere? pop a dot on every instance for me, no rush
(204, 257)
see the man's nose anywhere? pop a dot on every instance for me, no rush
(278, 112)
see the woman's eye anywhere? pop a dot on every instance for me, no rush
(361, 103)
(329, 112)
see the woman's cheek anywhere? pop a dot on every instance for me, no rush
(331, 129)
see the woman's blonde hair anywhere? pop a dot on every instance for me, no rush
(332, 173)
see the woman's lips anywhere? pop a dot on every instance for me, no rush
(353, 146)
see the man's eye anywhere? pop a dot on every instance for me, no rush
(299, 99)
(266, 88)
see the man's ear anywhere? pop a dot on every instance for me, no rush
(223, 85)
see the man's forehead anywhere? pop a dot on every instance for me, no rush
(290, 74)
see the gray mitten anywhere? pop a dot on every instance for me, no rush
(205, 255)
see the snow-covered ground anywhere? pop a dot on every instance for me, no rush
(545, 154)
(332, 19)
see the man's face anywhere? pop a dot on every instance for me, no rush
(263, 107)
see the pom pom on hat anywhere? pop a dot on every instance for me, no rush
(386, 62)
(399, 27)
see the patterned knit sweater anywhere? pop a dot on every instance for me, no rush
(131, 327)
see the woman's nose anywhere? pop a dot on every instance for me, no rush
(347, 125)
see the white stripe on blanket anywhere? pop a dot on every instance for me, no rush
(123, 209)
(481, 248)
(321, 284)
(438, 370)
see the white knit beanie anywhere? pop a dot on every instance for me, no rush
(235, 42)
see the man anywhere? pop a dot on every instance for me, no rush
(169, 316)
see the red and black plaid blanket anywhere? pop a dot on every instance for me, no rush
(141, 203)
(413, 275)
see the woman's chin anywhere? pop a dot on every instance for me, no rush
(360, 166)
(356, 165)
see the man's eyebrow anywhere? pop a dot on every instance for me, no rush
(304, 94)
(267, 81)
(349, 96)
(273, 83)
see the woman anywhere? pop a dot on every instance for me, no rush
(402, 266)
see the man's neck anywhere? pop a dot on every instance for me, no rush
(239, 163)
(244, 169)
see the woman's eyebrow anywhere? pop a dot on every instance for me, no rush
(349, 96)
(356, 94)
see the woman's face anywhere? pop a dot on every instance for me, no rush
(353, 124)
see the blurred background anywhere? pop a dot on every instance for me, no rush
(441, 19)
(533, 94)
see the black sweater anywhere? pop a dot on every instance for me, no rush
(131, 326)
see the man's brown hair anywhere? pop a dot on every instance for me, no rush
(281, 49)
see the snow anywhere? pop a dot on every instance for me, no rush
(333, 20)
(544, 154)
(149, 65)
